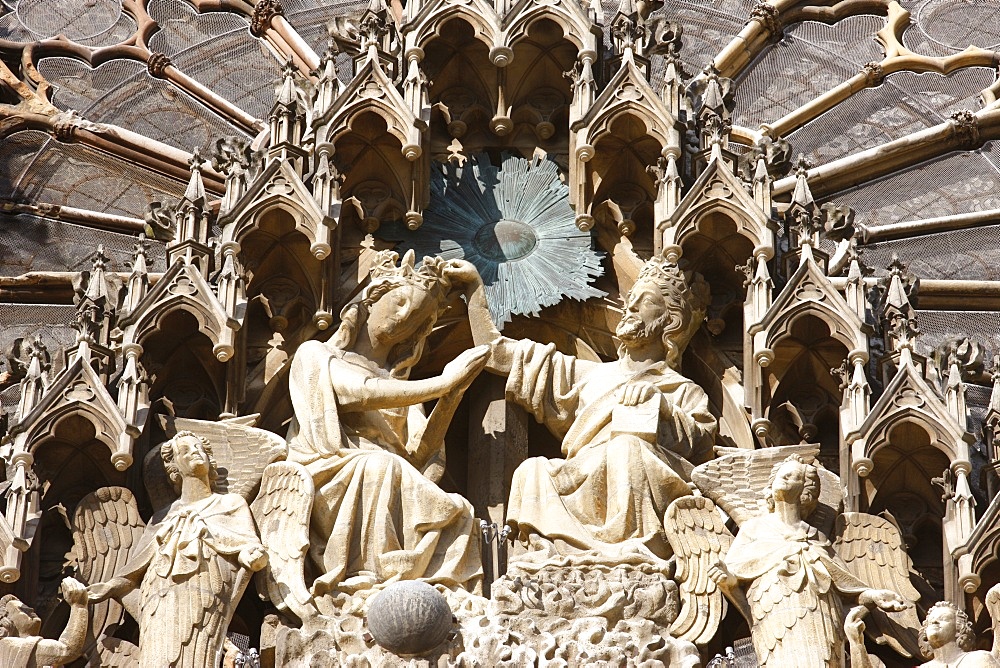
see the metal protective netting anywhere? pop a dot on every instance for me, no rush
(78, 87)
(155, 108)
(237, 66)
(971, 254)
(26, 321)
(708, 27)
(944, 27)
(905, 103)
(940, 327)
(959, 182)
(74, 175)
(810, 59)
(977, 400)
(92, 23)
(35, 243)
(312, 24)
(182, 28)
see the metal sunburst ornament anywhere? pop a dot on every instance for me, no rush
(514, 223)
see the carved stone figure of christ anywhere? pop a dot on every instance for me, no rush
(629, 428)
(191, 565)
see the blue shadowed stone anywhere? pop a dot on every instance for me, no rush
(409, 618)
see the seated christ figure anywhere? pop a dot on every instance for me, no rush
(630, 429)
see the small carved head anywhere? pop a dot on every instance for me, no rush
(401, 306)
(945, 622)
(664, 302)
(172, 449)
(16, 619)
(809, 496)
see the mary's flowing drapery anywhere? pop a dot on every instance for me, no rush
(795, 584)
(188, 557)
(610, 492)
(374, 513)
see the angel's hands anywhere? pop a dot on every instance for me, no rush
(74, 592)
(722, 577)
(854, 625)
(253, 558)
(99, 592)
(883, 599)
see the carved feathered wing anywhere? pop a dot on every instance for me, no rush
(699, 539)
(282, 512)
(241, 452)
(737, 478)
(873, 550)
(106, 528)
(116, 653)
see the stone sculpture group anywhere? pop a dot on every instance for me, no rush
(620, 549)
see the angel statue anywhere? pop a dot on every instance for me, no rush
(946, 637)
(22, 646)
(780, 571)
(186, 573)
(357, 505)
(629, 428)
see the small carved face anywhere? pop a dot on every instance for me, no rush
(644, 308)
(24, 618)
(940, 626)
(399, 314)
(191, 457)
(789, 481)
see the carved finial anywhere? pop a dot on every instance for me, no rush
(195, 192)
(897, 310)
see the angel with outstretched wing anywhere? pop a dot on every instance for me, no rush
(781, 571)
(185, 576)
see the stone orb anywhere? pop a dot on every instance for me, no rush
(409, 618)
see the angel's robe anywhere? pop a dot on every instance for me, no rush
(608, 496)
(19, 652)
(374, 514)
(191, 579)
(796, 583)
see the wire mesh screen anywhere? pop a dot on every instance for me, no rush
(977, 399)
(312, 24)
(236, 66)
(34, 243)
(708, 27)
(182, 28)
(74, 175)
(939, 327)
(944, 27)
(957, 183)
(93, 23)
(972, 254)
(905, 103)
(811, 59)
(79, 87)
(50, 322)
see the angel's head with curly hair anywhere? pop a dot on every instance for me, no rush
(189, 445)
(945, 622)
(785, 473)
